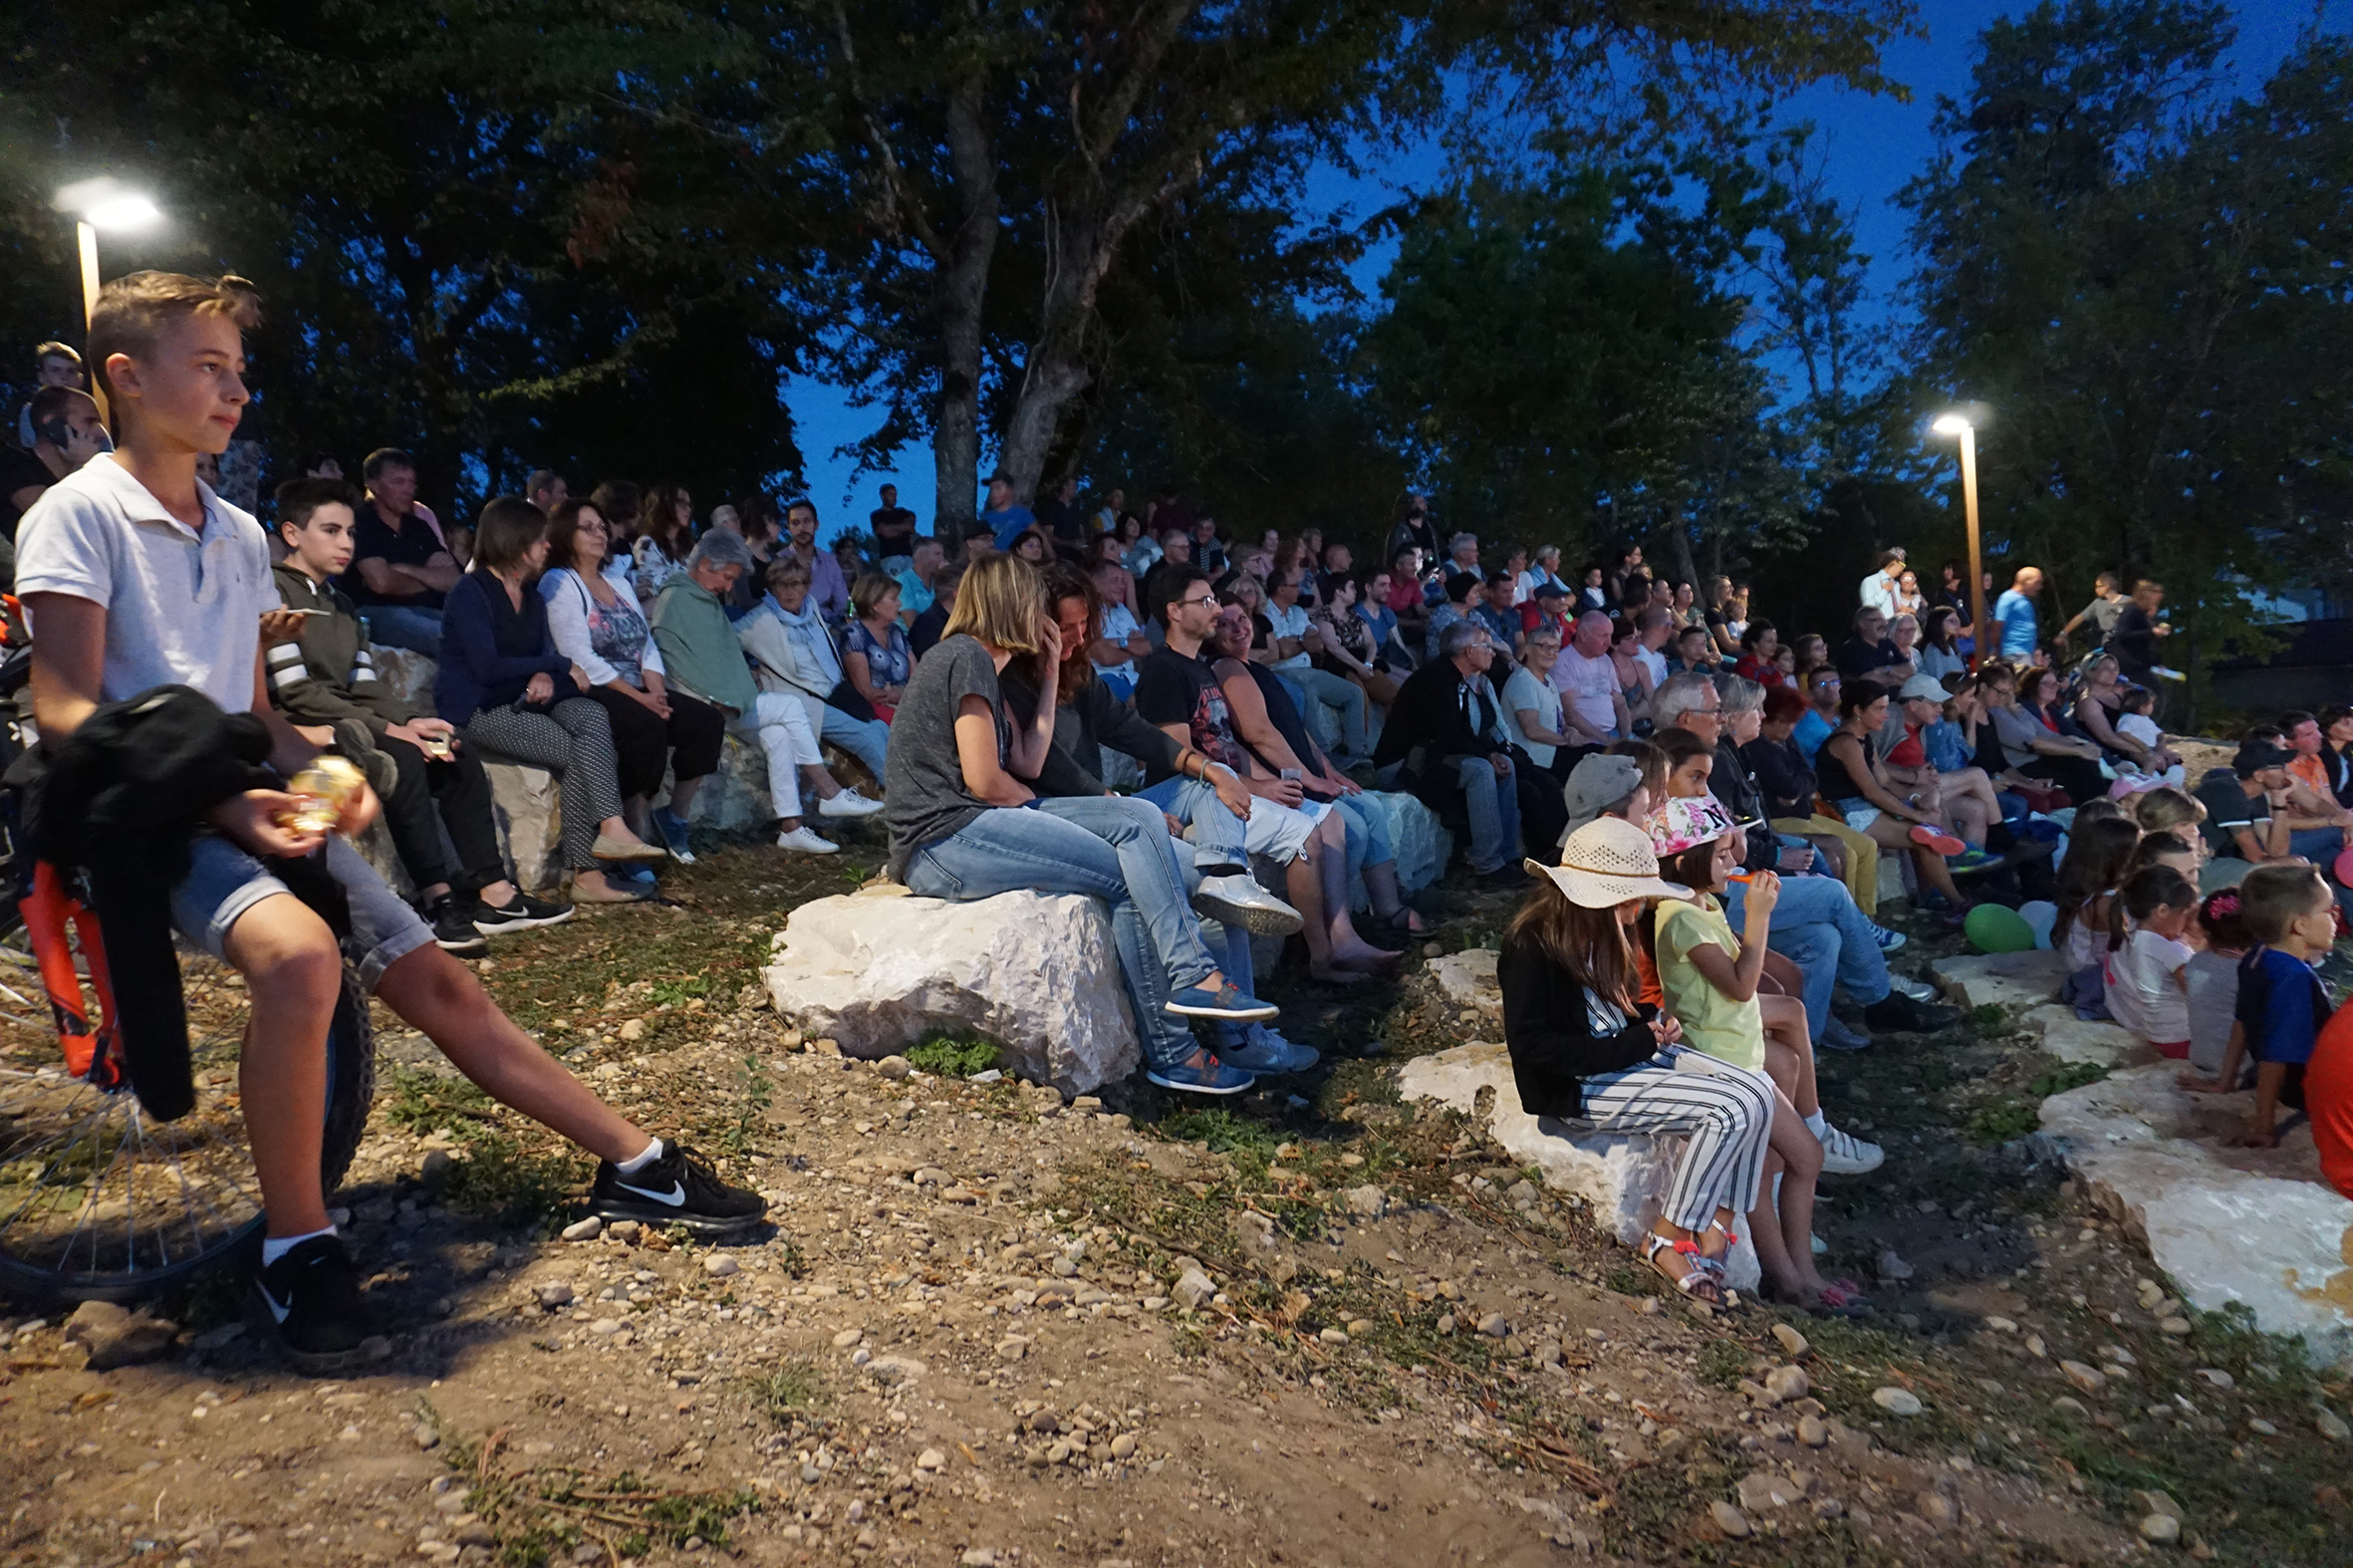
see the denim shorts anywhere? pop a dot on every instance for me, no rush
(223, 882)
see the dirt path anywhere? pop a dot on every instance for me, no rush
(972, 1338)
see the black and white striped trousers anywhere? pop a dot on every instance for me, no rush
(574, 741)
(1726, 1115)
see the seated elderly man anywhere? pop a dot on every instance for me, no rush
(1446, 736)
(702, 658)
(1816, 925)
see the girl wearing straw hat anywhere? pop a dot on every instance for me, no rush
(1583, 1050)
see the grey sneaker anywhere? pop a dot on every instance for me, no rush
(1843, 1153)
(1237, 899)
(1918, 990)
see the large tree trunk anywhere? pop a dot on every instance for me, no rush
(963, 290)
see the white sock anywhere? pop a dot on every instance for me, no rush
(633, 1167)
(276, 1247)
(1817, 1124)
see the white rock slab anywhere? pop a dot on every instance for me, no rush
(2003, 979)
(1621, 1177)
(409, 675)
(2073, 1039)
(1423, 843)
(881, 970)
(1467, 979)
(2249, 1226)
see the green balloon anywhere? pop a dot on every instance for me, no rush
(1992, 927)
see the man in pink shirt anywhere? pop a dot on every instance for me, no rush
(1587, 680)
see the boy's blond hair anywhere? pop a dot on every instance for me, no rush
(1000, 603)
(133, 311)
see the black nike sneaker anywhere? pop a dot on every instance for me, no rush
(453, 925)
(310, 1299)
(676, 1190)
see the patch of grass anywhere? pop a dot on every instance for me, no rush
(1722, 1362)
(2005, 1119)
(787, 1389)
(502, 1181)
(946, 1056)
(677, 992)
(1222, 1130)
(424, 1102)
(742, 1135)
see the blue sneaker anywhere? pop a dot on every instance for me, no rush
(638, 877)
(1972, 860)
(1262, 1050)
(1227, 1001)
(674, 835)
(1214, 1078)
(1838, 1035)
(1889, 942)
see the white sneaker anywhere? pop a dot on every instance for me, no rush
(1918, 990)
(1843, 1153)
(1235, 899)
(848, 803)
(803, 842)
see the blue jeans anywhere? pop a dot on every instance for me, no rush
(1817, 926)
(1493, 806)
(413, 627)
(1312, 688)
(866, 739)
(1218, 834)
(1103, 847)
(1367, 835)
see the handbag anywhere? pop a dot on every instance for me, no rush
(2040, 797)
(851, 700)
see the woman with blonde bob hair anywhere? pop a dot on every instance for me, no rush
(964, 826)
(1584, 1050)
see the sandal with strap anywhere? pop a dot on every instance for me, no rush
(1701, 1273)
(1843, 1298)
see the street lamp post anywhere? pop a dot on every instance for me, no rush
(1957, 424)
(101, 204)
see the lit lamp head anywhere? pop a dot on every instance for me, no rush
(1951, 424)
(108, 205)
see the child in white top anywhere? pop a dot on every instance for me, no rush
(2138, 723)
(2148, 986)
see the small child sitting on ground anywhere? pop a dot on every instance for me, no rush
(2289, 909)
(2213, 975)
(1710, 979)
(2138, 723)
(2148, 989)
(2088, 923)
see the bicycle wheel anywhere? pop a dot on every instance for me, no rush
(99, 1200)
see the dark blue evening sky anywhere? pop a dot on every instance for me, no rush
(1874, 145)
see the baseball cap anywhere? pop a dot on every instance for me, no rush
(1925, 688)
(1548, 589)
(1597, 783)
(1682, 824)
(2255, 756)
(1607, 862)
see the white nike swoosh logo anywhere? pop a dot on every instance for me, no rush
(676, 1196)
(276, 1311)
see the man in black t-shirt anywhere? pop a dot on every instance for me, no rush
(2133, 639)
(1869, 654)
(401, 569)
(67, 432)
(895, 531)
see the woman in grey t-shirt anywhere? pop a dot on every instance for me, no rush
(965, 828)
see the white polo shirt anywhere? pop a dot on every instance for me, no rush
(181, 607)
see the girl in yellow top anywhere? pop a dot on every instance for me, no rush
(1715, 985)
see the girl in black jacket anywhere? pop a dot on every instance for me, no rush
(1583, 1050)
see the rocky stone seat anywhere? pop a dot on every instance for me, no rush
(2258, 1227)
(879, 970)
(1623, 1178)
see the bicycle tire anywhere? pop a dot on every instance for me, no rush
(351, 1060)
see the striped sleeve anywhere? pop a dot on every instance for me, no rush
(363, 669)
(287, 670)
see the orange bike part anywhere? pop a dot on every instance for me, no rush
(47, 909)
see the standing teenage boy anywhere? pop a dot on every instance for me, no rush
(325, 685)
(136, 575)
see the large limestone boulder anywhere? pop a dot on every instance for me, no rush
(735, 799)
(1422, 842)
(409, 675)
(2003, 979)
(528, 804)
(881, 970)
(2227, 1224)
(1621, 1177)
